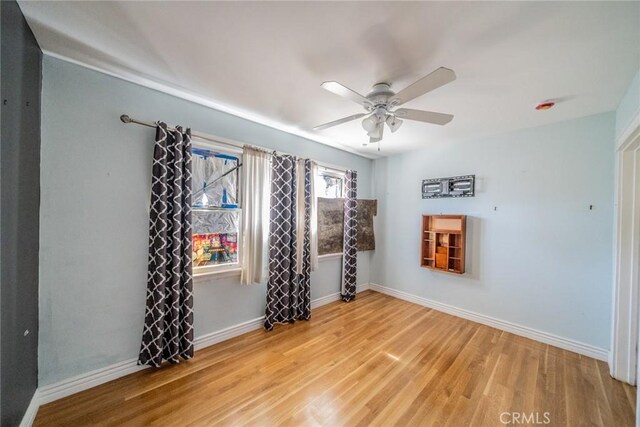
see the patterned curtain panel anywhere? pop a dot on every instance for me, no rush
(350, 246)
(168, 323)
(288, 291)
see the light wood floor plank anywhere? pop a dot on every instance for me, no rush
(376, 361)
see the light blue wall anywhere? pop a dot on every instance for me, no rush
(95, 192)
(629, 106)
(542, 259)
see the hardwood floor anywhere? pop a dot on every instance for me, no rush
(375, 361)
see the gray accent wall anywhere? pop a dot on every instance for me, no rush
(96, 174)
(20, 203)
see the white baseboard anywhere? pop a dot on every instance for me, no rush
(325, 300)
(81, 382)
(524, 331)
(30, 414)
(363, 287)
(228, 333)
(335, 297)
(52, 392)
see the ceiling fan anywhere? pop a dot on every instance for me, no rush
(380, 104)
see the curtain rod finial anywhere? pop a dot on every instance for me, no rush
(125, 118)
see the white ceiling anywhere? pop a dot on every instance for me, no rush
(266, 60)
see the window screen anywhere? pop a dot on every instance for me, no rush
(328, 185)
(216, 213)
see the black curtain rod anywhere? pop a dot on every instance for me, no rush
(126, 119)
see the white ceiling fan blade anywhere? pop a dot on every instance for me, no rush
(439, 77)
(345, 92)
(424, 116)
(339, 121)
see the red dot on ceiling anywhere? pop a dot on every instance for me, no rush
(545, 106)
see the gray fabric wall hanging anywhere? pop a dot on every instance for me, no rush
(331, 225)
(350, 239)
(168, 322)
(288, 292)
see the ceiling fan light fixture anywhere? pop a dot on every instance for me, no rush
(394, 123)
(370, 124)
(376, 133)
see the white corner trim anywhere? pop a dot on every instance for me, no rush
(626, 135)
(623, 363)
(49, 393)
(30, 414)
(208, 102)
(524, 331)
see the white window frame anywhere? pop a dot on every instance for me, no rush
(229, 269)
(336, 173)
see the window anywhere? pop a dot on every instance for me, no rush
(328, 187)
(216, 210)
(329, 183)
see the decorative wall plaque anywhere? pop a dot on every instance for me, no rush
(455, 186)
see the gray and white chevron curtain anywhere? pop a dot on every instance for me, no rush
(168, 320)
(350, 237)
(288, 286)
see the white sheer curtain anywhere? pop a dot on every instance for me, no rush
(300, 215)
(256, 181)
(314, 217)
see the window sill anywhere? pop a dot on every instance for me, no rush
(224, 273)
(217, 274)
(329, 256)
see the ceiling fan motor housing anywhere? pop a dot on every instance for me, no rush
(380, 94)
